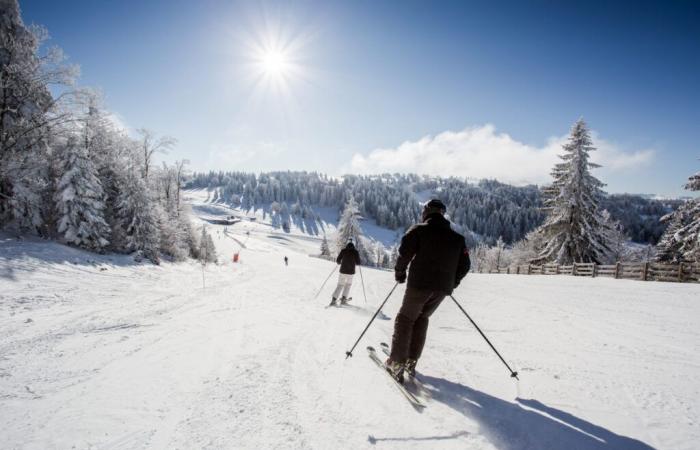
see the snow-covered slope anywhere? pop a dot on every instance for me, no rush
(259, 220)
(96, 352)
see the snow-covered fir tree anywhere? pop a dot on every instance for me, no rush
(349, 229)
(28, 112)
(394, 255)
(681, 241)
(80, 202)
(574, 230)
(139, 216)
(325, 249)
(207, 249)
(65, 168)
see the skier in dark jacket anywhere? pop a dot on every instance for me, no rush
(438, 259)
(348, 258)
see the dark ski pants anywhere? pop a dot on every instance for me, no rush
(411, 325)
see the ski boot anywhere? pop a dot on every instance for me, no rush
(344, 300)
(334, 302)
(410, 367)
(395, 369)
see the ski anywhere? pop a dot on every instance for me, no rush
(387, 351)
(410, 396)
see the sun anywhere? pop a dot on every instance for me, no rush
(274, 63)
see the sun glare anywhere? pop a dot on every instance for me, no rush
(276, 62)
(273, 63)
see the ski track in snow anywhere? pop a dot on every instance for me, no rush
(98, 352)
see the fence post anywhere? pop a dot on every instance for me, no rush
(645, 268)
(594, 271)
(517, 270)
(508, 270)
(573, 268)
(680, 272)
(556, 270)
(529, 268)
(617, 270)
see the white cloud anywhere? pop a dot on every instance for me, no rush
(482, 152)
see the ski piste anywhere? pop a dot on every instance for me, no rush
(410, 396)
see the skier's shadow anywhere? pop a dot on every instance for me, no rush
(527, 424)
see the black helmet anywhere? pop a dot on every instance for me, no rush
(434, 206)
(350, 245)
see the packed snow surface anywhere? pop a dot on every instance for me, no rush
(100, 352)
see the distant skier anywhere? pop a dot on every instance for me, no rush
(439, 259)
(286, 261)
(348, 258)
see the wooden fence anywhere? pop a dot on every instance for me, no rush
(648, 271)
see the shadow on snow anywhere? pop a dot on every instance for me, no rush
(527, 424)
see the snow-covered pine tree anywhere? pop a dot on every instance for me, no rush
(394, 256)
(79, 200)
(139, 216)
(349, 228)
(681, 241)
(207, 249)
(325, 249)
(574, 230)
(27, 111)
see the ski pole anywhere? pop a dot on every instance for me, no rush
(324, 283)
(363, 285)
(349, 353)
(513, 373)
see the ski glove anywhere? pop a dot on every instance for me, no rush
(400, 277)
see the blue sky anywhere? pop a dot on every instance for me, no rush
(478, 89)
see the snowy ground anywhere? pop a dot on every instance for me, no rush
(312, 230)
(96, 352)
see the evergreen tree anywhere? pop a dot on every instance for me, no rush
(27, 113)
(681, 241)
(574, 230)
(394, 255)
(80, 201)
(139, 216)
(325, 249)
(207, 249)
(349, 227)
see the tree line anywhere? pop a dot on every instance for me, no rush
(67, 172)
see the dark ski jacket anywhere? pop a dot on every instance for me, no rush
(348, 258)
(437, 254)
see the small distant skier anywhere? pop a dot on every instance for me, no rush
(286, 261)
(438, 259)
(348, 258)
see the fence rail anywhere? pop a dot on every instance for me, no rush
(647, 271)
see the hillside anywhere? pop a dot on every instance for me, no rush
(98, 352)
(487, 209)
